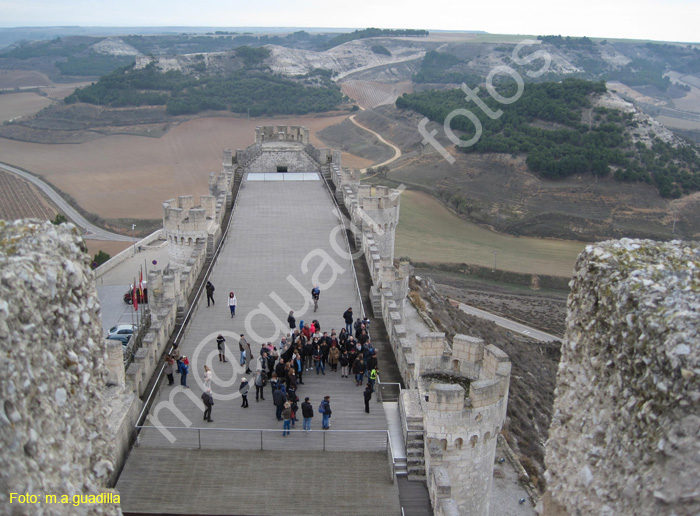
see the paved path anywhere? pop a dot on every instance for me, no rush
(279, 245)
(507, 323)
(92, 232)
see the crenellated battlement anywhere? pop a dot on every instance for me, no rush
(461, 426)
(282, 133)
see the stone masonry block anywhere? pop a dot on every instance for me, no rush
(484, 392)
(441, 481)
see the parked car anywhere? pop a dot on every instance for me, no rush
(123, 337)
(126, 329)
(129, 296)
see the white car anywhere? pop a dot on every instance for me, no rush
(122, 332)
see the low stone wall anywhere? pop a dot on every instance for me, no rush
(625, 434)
(269, 159)
(128, 253)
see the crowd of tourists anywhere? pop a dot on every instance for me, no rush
(308, 348)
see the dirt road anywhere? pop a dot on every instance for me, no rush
(397, 151)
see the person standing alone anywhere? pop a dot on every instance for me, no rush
(210, 293)
(232, 303)
(315, 293)
(368, 396)
(307, 412)
(325, 409)
(208, 400)
(243, 389)
(347, 316)
(220, 346)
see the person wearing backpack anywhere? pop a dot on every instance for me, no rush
(307, 412)
(325, 409)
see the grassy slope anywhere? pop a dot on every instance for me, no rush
(429, 232)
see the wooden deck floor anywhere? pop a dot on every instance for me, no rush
(254, 483)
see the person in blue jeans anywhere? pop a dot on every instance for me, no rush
(326, 406)
(318, 359)
(287, 416)
(307, 412)
(359, 369)
(184, 370)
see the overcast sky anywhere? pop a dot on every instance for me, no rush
(670, 20)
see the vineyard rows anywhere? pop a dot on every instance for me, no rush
(20, 199)
(370, 94)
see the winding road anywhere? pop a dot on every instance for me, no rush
(397, 151)
(91, 231)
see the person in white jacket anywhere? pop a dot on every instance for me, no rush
(207, 378)
(232, 303)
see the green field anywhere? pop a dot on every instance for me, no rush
(429, 232)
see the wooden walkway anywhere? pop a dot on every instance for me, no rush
(248, 483)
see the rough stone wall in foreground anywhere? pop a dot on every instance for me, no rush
(625, 436)
(53, 423)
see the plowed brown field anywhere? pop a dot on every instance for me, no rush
(130, 176)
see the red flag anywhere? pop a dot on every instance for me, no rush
(141, 285)
(134, 294)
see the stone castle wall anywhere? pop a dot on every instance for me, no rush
(459, 429)
(625, 436)
(54, 426)
(269, 159)
(282, 133)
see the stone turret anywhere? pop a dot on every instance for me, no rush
(461, 427)
(377, 213)
(186, 225)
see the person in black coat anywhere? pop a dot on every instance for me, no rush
(368, 396)
(281, 371)
(348, 320)
(210, 293)
(344, 363)
(307, 412)
(279, 398)
(208, 400)
(292, 321)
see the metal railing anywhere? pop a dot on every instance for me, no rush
(261, 438)
(186, 319)
(386, 390)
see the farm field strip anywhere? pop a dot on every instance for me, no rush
(429, 232)
(370, 94)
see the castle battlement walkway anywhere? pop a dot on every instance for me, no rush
(284, 238)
